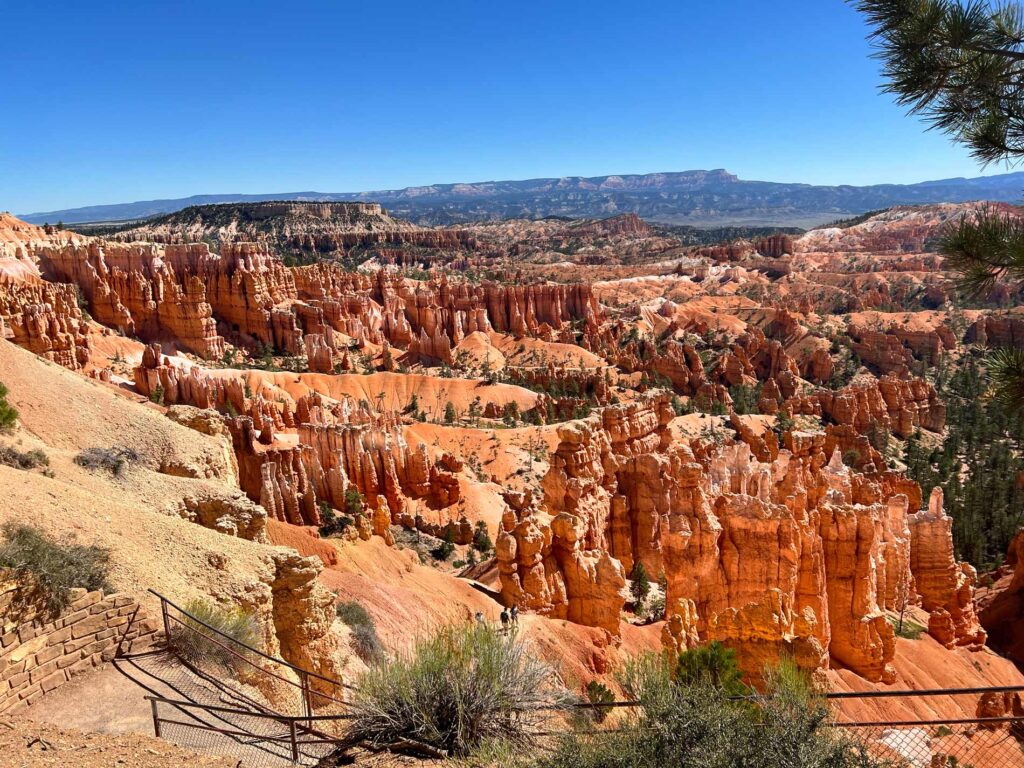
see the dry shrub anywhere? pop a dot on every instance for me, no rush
(56, 567)
(114, 460)
(197, 645)
(365, 640)
(454, 692)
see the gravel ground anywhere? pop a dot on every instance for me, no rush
(28, 744)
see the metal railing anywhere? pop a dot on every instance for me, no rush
(296, 737)
(976, 738)
(326, 691)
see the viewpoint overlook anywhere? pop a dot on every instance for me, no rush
(581, 471)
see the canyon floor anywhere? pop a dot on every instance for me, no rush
(333, 405)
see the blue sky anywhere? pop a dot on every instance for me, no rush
(105, 102)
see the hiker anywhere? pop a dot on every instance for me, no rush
(514, 615)
(480, 618)
(504, 619)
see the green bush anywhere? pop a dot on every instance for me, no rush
(365, 640)
(354, 501)
(711, 665)
(445, 549)
(697, 724)
(454, 692)
(655, 608)
(481, 538)
(599, 693)
(8, 413)
(197, 645)
(57, 567)
(114, 460)
(331, 523)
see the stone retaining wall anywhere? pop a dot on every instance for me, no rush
(37, 656)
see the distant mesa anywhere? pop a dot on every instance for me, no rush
(701, 198)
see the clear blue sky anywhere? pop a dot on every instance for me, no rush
(105, 102)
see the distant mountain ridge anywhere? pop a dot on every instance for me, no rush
(699, 198)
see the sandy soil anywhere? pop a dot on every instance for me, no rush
(28, 744)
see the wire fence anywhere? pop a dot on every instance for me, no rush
(985, 729)
(276, 683)
(288, 715)
(978, 743)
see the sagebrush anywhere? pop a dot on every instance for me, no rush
(455, 691)
(8, 413)
(55, 566)
(194, 642)
(365, 640)
(697, 724)
(32, 459)
(114, 460)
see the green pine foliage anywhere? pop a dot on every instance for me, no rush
(976, 465)
(713, 665)
(8, 414)
(641, 586)
(958, 64)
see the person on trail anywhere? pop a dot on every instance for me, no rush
(480, 618)
(504, 619)
(514, 615)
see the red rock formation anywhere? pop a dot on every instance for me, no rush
(942, 582)
(774, 246)
(786, 557)
(45, 319)
(1000, 606)
(1002, 330)
(897, 405)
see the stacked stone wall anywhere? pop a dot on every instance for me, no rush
(39, 653)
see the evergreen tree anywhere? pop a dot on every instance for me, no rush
(959, 64)
(641, 586)
(977, 467)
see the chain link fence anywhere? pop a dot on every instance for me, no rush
(936, 728)
(954, 744)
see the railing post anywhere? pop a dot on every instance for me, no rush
(156, 719)
(295, 743)
(307, 703)
(127, 629)
(167, 629)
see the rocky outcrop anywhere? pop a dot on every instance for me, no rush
(774, 246)
(1000, 604)
(943, 583)
(997, 330)
(312, 230)
(897, 406)
(44, 318)
(303, 612)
